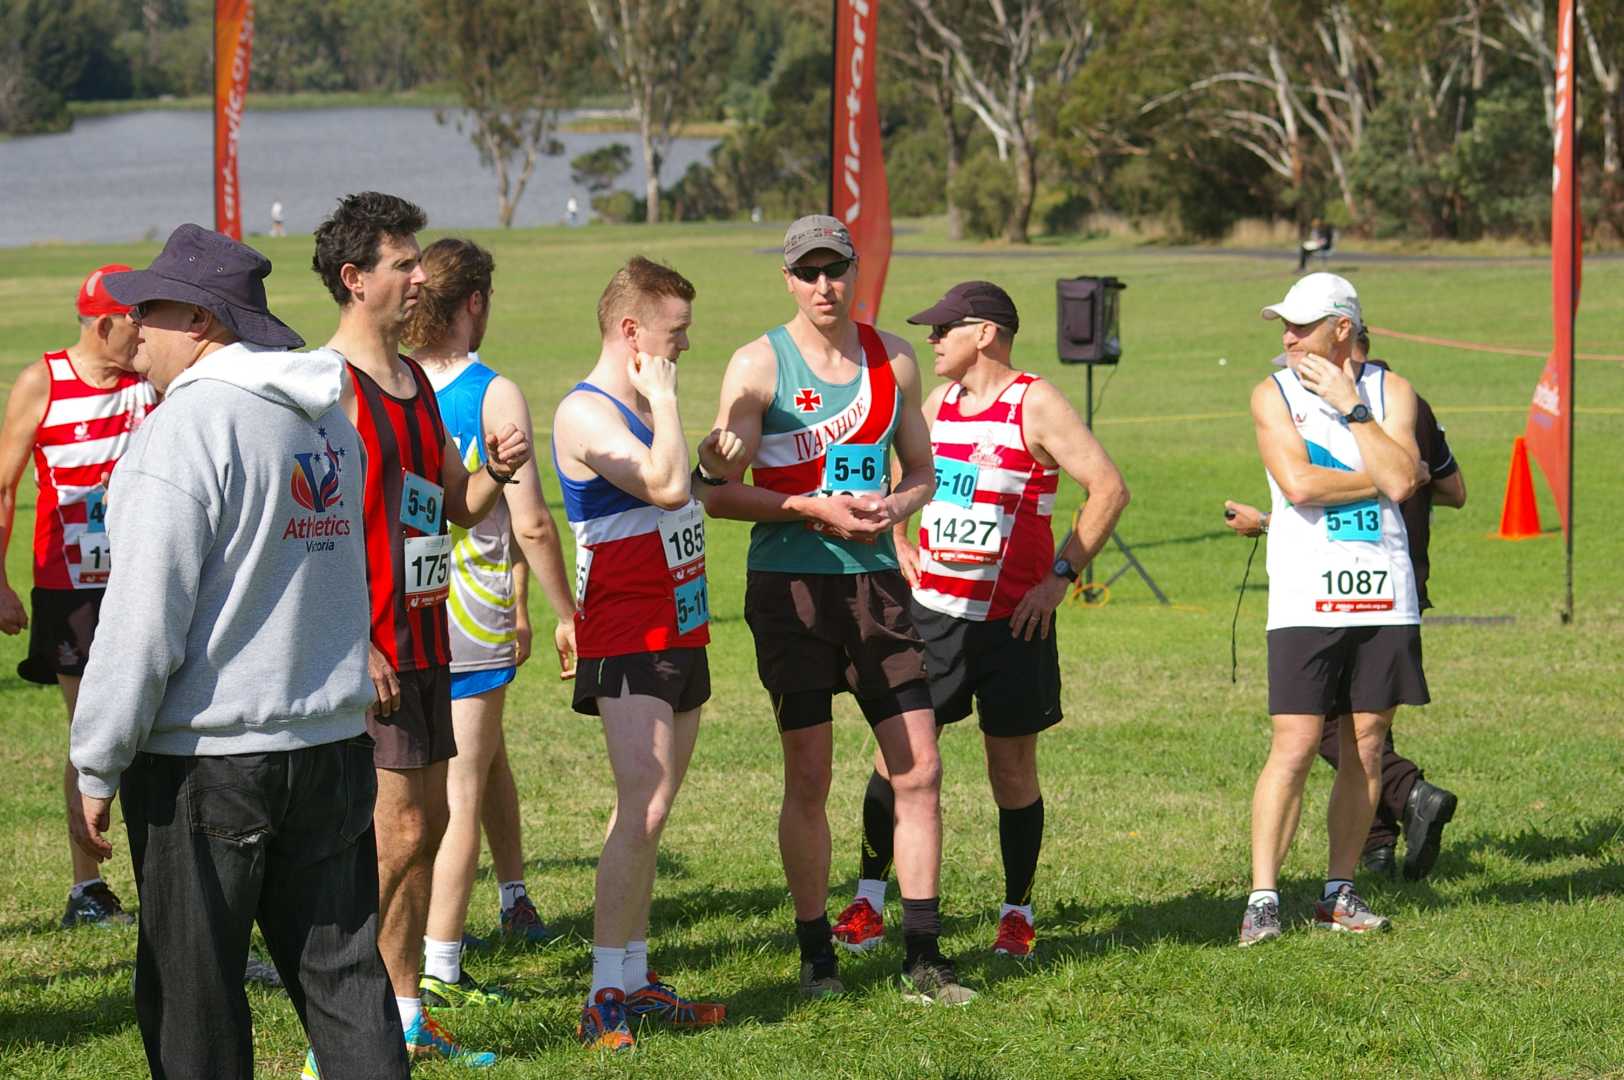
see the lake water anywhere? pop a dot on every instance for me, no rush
(121, 178)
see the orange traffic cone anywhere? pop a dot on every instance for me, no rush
(1519, 517)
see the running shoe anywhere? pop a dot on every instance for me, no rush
(463, 993)
(428, 1040)
(659, 1001)
(520, 923)
(261, 972)
(1347, 911)
(859, 927)
(932, 981)
(603, 1022)
(310, 1072)
(1261, 922)
(1015, 936)
(821, 979)
(1428, 809)
(95, 905)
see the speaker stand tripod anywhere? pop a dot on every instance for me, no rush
(1132, 562)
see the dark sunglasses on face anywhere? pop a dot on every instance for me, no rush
(940, 331)
(810, 274)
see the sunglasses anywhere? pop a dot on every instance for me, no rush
(810, 274)
(941, 330)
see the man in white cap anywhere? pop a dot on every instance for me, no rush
(1337, 438)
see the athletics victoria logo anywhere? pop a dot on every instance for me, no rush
(315, 487)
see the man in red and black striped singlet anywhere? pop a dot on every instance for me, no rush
(73, 411)
(368, 257)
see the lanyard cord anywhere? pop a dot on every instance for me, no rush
(1234, 654)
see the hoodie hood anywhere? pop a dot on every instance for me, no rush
(309, 382)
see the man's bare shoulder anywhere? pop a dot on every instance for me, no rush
(31, 391)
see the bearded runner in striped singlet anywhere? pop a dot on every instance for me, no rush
(1337, 438)
(641, 621)
(986, 583)
(488, 616)
(368, 257)
(819, 403)
(73, 411)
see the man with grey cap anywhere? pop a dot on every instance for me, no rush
(225, 699)
(819, 403)
(986, 582)
(1337, 438)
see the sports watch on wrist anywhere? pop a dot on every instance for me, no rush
(1063, 568)
(499, 478)
(1360, 414)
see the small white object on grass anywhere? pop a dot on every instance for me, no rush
(1223, 361)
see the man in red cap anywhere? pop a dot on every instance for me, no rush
(73, 411)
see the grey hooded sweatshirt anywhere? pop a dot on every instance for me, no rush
(236, 619)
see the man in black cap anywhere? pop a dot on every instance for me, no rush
(225, 700)
(986, 581)
(819, 403)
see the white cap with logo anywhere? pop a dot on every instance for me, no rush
(1316, 296)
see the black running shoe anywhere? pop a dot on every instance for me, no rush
(96, 905)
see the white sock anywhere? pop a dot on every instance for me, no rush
(511, 891)
(79, 887)
(410, 1010)
(636, 969)
(1333, 884)
(872, 891)
(608, 970)
(1260, 895)
(1024, 909)
(442, 960)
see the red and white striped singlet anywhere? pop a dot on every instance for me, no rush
(1008, 478)
(85, 431)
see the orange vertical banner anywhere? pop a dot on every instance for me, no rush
(859, 195)
(1550, 419)
(233, 49)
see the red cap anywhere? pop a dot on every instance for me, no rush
(94, 299)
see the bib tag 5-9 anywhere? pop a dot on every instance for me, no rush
(421, 503)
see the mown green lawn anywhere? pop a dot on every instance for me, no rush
(1504, 963)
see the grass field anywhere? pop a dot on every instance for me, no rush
(1502, 964)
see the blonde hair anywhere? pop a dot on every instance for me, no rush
(456, 269)
(633, 286)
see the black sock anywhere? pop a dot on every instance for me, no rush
(921, 928)
(879, 828)
(816, 948)
(1020, 836)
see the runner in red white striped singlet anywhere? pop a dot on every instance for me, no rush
(965, 568)
(986, 582)
(72, 412)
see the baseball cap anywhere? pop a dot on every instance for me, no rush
(216, 273)
(816, 232)
(94, 299)
(971, 300)
(1316, 296)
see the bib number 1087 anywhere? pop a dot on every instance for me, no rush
(1355, 582)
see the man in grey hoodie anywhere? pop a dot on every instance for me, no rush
(225, 702)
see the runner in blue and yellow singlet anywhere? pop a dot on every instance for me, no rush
(820, 403)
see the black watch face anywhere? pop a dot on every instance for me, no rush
(1360, 413)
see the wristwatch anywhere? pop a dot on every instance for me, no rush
(1063, 568)
(706, 478)
(499, 478)
(1359, 415)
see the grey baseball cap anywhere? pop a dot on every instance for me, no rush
(816, 232)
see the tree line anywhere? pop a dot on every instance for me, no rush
(1421, 118)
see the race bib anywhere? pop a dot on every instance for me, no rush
(96, 510)
(1354, 521)
(956, 482)
(693, 604)
(853, 468)
(428, 570)
(682, 534)
(962, 534)
(1354, 583)
(95, 558)
(421, 503)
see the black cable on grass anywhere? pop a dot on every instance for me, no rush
(1234, 625)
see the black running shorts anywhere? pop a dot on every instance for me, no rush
(1332, 671)
(678, 677)
(419, 733)
(60, 627)
(1015, 683)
